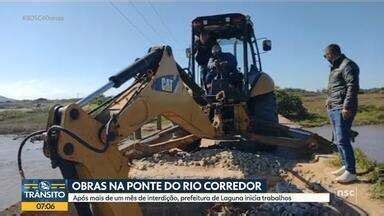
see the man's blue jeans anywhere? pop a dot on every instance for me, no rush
(341, 137)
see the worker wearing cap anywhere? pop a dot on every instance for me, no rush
(341, 103)
(204, 44)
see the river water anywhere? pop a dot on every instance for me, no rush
(36, 165)
(370, 139)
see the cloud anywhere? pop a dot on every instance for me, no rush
(52, 89)
(32, 89)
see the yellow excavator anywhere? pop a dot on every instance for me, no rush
(88, 144)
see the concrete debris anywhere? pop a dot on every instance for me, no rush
(250, 163)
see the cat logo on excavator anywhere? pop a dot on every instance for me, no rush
(166, 83)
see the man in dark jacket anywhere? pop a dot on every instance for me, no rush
(204, 45)
(341, 103)
(220, 65)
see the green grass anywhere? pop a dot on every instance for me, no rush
(370, 114)
(370, 110)
(26, 116)
(363, 163)
(314, 120)
(373, 170)
(17, 121)
(336, 161)
(377, 190)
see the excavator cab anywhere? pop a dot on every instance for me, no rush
(235, 34)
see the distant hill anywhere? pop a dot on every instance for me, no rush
(372, 90)
(4, 99)
(303, 92)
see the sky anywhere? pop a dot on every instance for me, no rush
(84, 43)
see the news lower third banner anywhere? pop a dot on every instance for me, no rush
(44, 195)
(55, 194)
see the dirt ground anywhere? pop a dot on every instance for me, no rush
(319, 172)
(283, 174)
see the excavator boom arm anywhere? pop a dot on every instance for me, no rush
(88, 144)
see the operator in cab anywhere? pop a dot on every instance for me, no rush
(204, 44)
(221, 64)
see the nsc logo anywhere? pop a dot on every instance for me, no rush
(44, 195)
